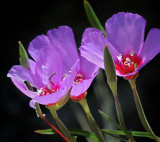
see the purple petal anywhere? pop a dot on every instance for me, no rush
(32, 66)
(23, 88)
(151, 46)
(63, 39)
(125, 31)
(89, 30)
(65, 87)
(23, 74)
(49, 62)
(92, 47)
(36, 45)
(87, 68)
(80, 88)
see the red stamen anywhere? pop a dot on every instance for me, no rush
(48, 90)
(127, 64)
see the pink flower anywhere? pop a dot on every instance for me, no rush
(86, 70)
(55, 70)
(125, 40)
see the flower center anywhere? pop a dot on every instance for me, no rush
(127, 64)
(78, 79)
(47, 90)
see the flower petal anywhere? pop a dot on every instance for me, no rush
(92, 47)
(89, 30)
(32, 66)
(87, 68)
(125, 31)
(65, 87)
(24, 74)
(36, 45)
(49, 62)
(151, 46)
(80, 88)
(63, 39)
(23, 88)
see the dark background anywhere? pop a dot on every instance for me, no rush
(24, 20)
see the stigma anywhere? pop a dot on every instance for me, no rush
(51, 88)
(126, 64)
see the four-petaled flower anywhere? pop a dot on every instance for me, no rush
(56, 69)
(125, 40)
(68, 51)
(49, 73)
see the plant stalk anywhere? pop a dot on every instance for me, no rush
(91, 120)
(41, 115)
(61, 126)
(140, 110)
(120, 117)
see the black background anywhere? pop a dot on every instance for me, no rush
(24, 20)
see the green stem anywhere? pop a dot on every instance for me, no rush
(61, 126)
(120, 114)
(41, 115)
(91, 120)
(140, 110)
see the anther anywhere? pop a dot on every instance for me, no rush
(120, 57)
(132, 54)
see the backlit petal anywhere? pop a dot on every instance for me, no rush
(23, 88)
(63, 39)
(36, 45)
(49, 62)
(80, 88)
(23, 74)
(151, 46)
(87, 68)
(125, 31)
(92, 47)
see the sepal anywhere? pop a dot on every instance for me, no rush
(23, 59)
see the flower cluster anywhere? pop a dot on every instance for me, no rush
(58, 72)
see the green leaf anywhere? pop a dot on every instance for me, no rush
(110, 70)
(47, 132)
(73, 132)
(94, 21)
(115, 136)
(24, 60)
(134, 133)
(115, 123)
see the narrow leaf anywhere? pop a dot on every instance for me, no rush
(115, 123)
(134, 133)
(115, 136)
(24, 60)
(94, 21)
(47, 132)
(73, 132)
